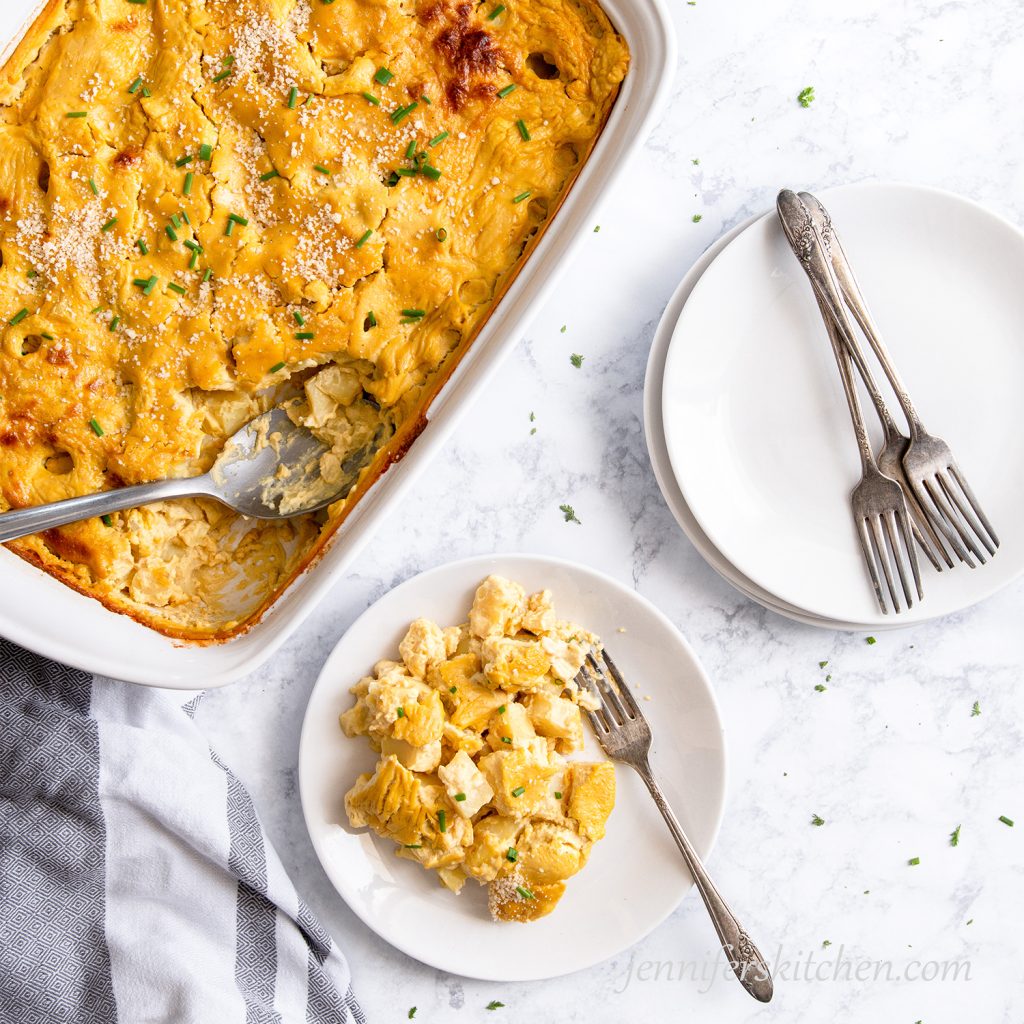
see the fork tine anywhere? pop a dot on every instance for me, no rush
(902, 520)
(896, 551)
(608, 691)
(883, 559)
(869, 561)
(978, 510)
(624, 691)
(924, 532)
(935, 516)
(597, 718)
(966, 510)
(938, 495)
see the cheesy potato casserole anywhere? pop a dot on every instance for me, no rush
(472, 727)
(209, 207)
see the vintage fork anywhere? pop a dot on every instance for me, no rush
(879, 507)
(928, 463)
(894, 441)
(625, 736)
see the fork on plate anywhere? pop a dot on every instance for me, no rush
(625, 736)
(879, 507)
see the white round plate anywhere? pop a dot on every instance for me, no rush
(634, 878)
(756, 426)
(654, 432)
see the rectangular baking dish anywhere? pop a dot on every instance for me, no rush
(46, 616)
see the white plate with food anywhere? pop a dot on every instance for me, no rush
(759, 439)
(632, 878)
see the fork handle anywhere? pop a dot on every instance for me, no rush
(744, 957)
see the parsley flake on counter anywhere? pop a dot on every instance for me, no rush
(913, 862)
(975, 710)
(576, 359)
(697, 218)
(822, 664)
(820, 687)
(411, 1013)
(816, 819)
(806, 96)
(494, 1005)
(826, 943)
(870, 640)
(1006, 821)
(954, 837)
(570, 514)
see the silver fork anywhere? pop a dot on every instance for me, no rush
(625, 736)
(894, 441)
(879, 507)
(928, 463)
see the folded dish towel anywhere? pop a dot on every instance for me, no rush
(136, 882)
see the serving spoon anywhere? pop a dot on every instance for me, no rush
(269, 469)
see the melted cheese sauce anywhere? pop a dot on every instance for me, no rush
(209, 206)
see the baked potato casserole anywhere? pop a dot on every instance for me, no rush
(473, 726)
(209, 207)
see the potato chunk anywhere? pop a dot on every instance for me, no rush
(556, 717)
(510, 726)
(509, 898)
(423, 647)
(514, 665)
(550, 852)
(465, 784)
(519, 777)
(591, 796)
(498, 608)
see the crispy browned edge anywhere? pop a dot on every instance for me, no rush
(396, 449)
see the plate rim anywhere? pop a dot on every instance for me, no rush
(465, 565)
(918, 615)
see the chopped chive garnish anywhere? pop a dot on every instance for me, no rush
(506, 739)
(106, 520)
(460, 797)
(205, 151)
(143, 248)
(415, 313)
(293, 97)
(519, 791)
(140, 2)
(150, 285)
(399, 114)
(182, 160)
(365, 238)
(48, 337)
(502, 93)
(96, 428)
(171, 233)
(276, 367)
(309, 336)
(451, 689)
(176, 221)
(18, 317)
(371, 319)
(194, 246)
(1005, 820)
(437, 139)
(431, 172)
(383, 76)
(411, 150)
(140, 282)
(176, 288)
(558, 795)
(522, 195)
(309, 99)
(112, 326)
(110, 223)
(407, 172)
(413, 846)
(441, 234)
(502, 709)
(77, 113)
(243, 221)
(92, 186)
(442, 821)
(193, 260)
(98, 309)
(370, 98)
(146, 92)
(426, 99)
(512, 854)
(230, 228)
(299, 318)
(135, 86)
(187, 188)
(523, 130)
(228, 59)
(224, 74)
(321, 168)
(184, 217)
(270, 175)
(497, 10)
(401, 712)
(524, 892)
(208, 274)
(32, 274)
(914, 861)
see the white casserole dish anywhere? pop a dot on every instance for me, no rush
(42, 614)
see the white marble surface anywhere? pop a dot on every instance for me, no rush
(889, 755)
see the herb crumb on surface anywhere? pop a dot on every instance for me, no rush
(576, 359)
(954, 837)
(975, 710)
(570, 514)
(805, 97)
(816, 819)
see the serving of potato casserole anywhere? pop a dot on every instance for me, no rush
(473, 726)
(208, 207)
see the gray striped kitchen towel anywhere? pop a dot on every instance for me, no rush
(136, 882)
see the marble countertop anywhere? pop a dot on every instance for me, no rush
(890, 754)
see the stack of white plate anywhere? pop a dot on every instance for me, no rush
(746, 421)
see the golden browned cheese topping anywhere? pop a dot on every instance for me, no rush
(208, 207)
